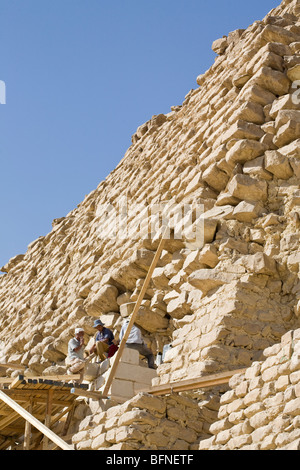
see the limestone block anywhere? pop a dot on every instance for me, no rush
(247, 211)
(278, 165)
(256, 168)
(133, 373)
(292, 149)
(288, 127)
(127, 309)
(246, 188)
(243, 130)
(281, 103)
(136, 416)
(200, 79)
(295, 165)
(219, 45)
(110, 319)
(293, 261)
(100, 442)
(249, 111)
(226, 198)
(293, 407)
(213, 157)
(273, 33)
(215, 177)
(194, 184)
(207, 279)
(178, 307)
(294, 73)
(150, 320)
(240, 79)
(274, 81)
(285, 116)
(103, 301)
(245, 150)
(52, 354)
(142, 258)
(265, 57)
(257, 94)
(172, 353)
(149, 402)
(208, 256)
(129, 356)
(217, 213)
(257, 236)
(80, 436)
(192, 262)
(121, 388)
(157, 439)
(99, 382)
(259, 263)
(91, 371)
(159, 278)
(123, 298)
(202, 231)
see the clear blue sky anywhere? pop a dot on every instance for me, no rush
(81, 76)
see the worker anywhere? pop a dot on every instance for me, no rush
(135, 341)
(75, 360)
(104, 339)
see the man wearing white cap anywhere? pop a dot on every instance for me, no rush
(76, 361)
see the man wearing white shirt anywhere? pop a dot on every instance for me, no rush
(135, 341)
(75, 360)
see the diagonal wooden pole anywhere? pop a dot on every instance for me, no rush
(134, 313)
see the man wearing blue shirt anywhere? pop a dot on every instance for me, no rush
(103, 340)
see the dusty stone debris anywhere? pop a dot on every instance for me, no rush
(232, 302)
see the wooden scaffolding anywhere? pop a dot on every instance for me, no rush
(30, 407)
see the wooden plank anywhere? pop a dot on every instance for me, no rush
(18, 381)
(192, 384)
(87, 393)
(71, 412)
(37, 393)
(6, 380)
(62, 378)
(13, 366)
(134, 313)
(36, 423)
(48, 417)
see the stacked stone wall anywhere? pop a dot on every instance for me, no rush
(148, 422)
(261, 411)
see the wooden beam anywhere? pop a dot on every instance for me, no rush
(13, 366)
(193, 384)
(71, 411)
(16, 382)
(48, 416)
(87, 393)
(36, 423)
(61, 378)
(134, 313)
